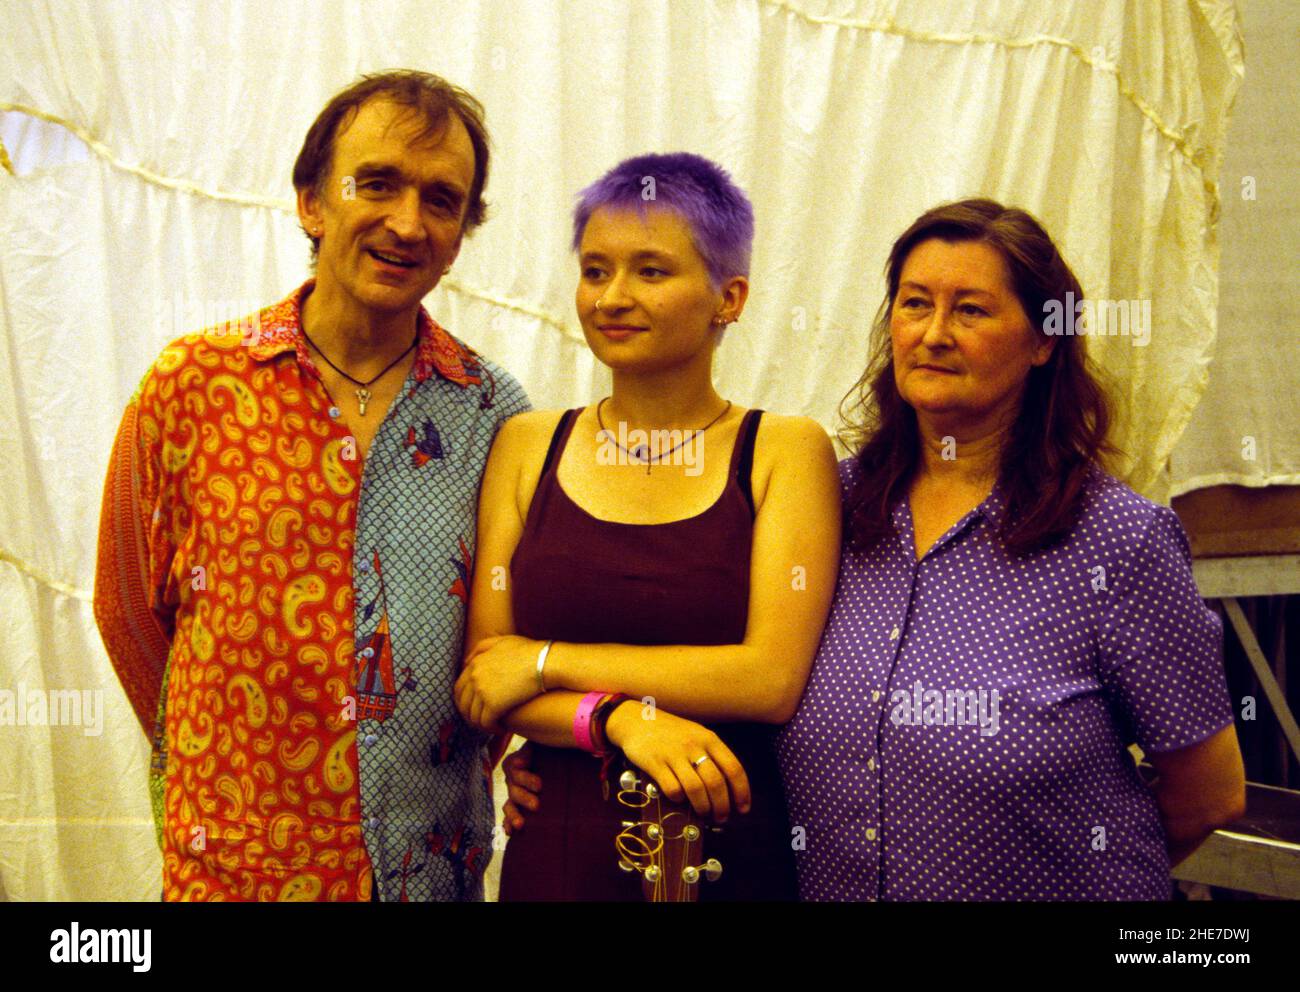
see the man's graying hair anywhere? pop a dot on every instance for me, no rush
(427, 97)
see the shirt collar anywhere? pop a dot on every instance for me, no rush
(993, 509)
(279, 330)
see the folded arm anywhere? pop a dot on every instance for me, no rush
(794, 563)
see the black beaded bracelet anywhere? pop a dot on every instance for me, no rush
(600, 717)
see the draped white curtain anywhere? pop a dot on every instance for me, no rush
(1244, 431)
(842, 119)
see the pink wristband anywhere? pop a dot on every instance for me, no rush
(582, 720)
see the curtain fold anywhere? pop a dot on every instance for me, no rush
(843, 120)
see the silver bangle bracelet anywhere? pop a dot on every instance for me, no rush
(541, 664)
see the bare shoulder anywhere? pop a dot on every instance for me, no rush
(792, 449)
(524, 431)
(520, 449)
(782, 435)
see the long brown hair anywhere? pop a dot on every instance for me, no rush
(1065, 415)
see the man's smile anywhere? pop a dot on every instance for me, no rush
(392, 258)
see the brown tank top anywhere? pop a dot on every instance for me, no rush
(580, 579)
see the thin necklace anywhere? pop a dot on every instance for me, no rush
(641, 452)
(363, 394)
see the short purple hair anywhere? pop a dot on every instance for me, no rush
(716, 210)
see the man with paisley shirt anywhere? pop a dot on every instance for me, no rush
(288, 528)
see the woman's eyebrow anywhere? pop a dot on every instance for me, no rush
(960, 291)
(638, 256)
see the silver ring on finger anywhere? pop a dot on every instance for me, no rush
(699, 761)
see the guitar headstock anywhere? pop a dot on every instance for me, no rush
(665, 843)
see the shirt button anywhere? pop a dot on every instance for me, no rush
(364, 568)
(373, 822)
(875, 695)
(871, 764)
(893, 634)
(367, 653)
(871, 833)
(370, 738)
(335, 412)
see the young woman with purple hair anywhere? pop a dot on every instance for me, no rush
(654, 569)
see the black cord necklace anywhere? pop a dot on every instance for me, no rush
(641, 452)
(363, 394)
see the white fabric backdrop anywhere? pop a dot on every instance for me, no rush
(1244, 432)
(842, 119)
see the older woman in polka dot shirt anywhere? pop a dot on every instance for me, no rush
(1009, 618)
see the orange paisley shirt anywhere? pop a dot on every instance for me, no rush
(287, 621)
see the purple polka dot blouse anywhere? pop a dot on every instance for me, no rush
(964, 731)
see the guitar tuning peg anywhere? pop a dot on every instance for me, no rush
(629, 824)
(628, 781)
(712, 871)
(626, 867)
(691, 832)
(652, 791)
(653, 831)
(652, 873)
